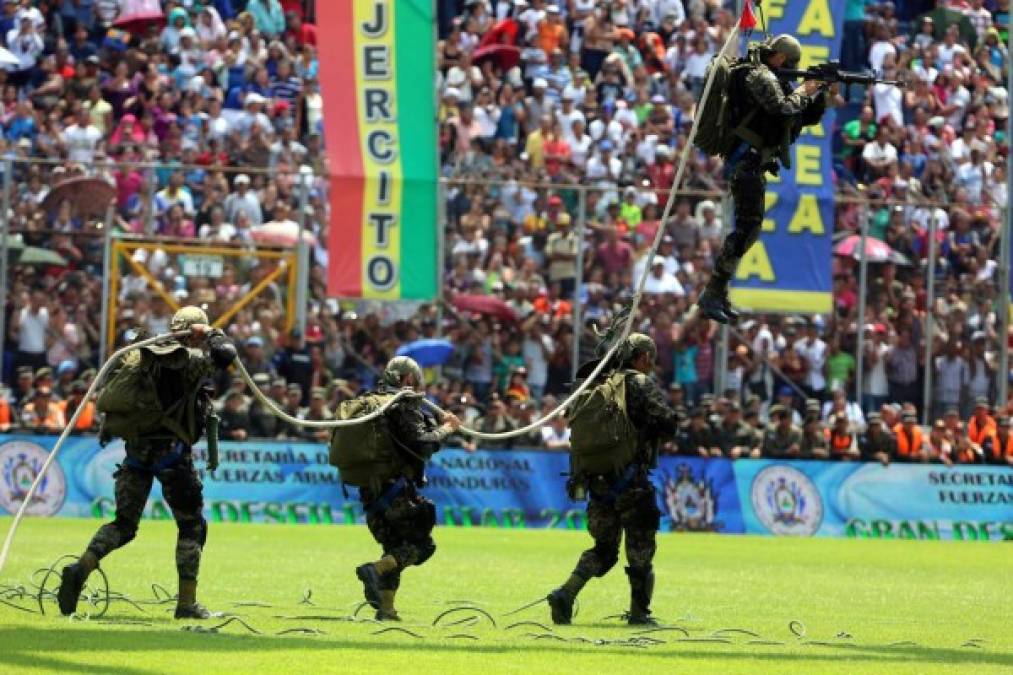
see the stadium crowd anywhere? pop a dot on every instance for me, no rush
(539, 100)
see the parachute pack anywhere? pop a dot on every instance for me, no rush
(129, 399)
(364, 454)
(715, 133)
(602, 437)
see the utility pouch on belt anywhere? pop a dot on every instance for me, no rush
(211, 427)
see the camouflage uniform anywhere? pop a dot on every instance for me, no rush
(400, 519)
(626, 503)
(169, 460)
(776, 116)
(776, 442)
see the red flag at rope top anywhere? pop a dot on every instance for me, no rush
(748, 20)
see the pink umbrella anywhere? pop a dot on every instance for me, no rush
(280, 233)
(138, 15)
(875, 250)
(504, 56)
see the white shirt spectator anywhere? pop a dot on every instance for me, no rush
(663, 8)
(815, 352)
(856, 418)
(534, 351)
(888, 101)
(878, 52)
(598, 171)
(81, 142)
(248, 203)
(972, 177)
(26, 47)
(32, 330)
(960, 98)
(875, 383)
(953, 375)
(696, 64)
(487, 119)
(948, 54)
(579, 149)
(666, 283)
(550, 434)
(874, 152)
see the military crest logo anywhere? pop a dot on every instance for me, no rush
(20, 463)
(690, 502)
(786, 501)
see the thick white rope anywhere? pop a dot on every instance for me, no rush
(66, 432)
(731, 44)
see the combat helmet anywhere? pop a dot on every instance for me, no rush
(186, 317)
(637, 344)
(398, 367)
(789, 46)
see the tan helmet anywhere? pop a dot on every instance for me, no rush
(186, 317)
(789, 46)
(398, 367)
(637, 344)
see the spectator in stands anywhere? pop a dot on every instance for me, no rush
(911, 446)
(783, 438)
(496, 420)
(235, 422)
(87, 422)
(1001, 450)
(316, 411)
(842, 440)
(41, 414)
(877, 443)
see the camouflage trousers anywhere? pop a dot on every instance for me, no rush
(633, 513)
(404, 530)
(172, 464)
(748, 188)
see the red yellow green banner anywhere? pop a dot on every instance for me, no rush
(377, 68)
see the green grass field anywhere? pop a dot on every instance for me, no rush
(908, 606)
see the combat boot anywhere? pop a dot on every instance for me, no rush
(370, 579)
(561, 606)
(72, 581)
(641, 591)
(187, 606)
(714, 304)
(387, 611)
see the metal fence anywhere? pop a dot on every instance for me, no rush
(582, 204)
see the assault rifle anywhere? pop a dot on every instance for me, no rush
(831, 72)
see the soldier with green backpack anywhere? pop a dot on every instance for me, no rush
(750, 119)
(615, 428)
(158, 400)
(385, 458)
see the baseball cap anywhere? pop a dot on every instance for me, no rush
(242, 178)
(262, 378)
(540, 83)
(785, 390)
(318, 392)
(605, 145)
(294, 387)
(255, 341)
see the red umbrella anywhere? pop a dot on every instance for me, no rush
(875, 250)
(504, 56)
(138, 15)
(280, 233)
(89, 196)
(485, 304)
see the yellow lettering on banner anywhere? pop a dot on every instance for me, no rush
(375, 68)
(812, 55)
(816, 19)
(807, 216)
(772, 177)
(769, 200)
(807, 165)
(816, 130)
(774, 9)
(756, 263)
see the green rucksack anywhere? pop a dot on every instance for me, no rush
(364, 454)
(129, 398)
(715, 132)
(602, 437)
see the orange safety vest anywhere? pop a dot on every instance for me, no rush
(87, 418)
(1002, 447)
(965, 456)
(5, 415)
(979, 434)
(53, 419)
(840, 444)
(908, 447)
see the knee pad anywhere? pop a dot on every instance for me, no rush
(607, 558)
(425, 551)
(127, 530)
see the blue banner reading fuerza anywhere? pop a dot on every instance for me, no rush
(277, 482)
(788, 269)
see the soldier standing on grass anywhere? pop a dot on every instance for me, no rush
(157, 402)
(624, 500)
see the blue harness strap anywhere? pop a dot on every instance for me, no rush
(734, 159)
(165, 463)
(383, 502)
(619, 485)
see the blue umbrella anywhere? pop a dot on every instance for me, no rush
(428, 353)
